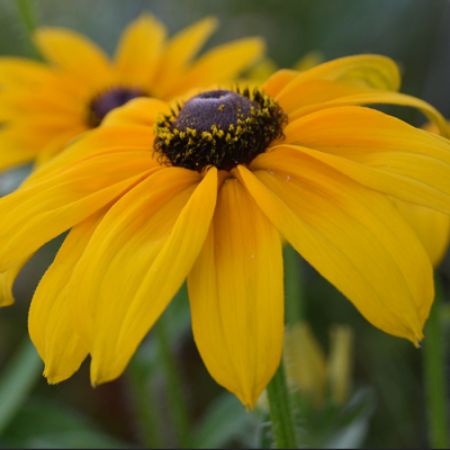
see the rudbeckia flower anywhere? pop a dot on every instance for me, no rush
(207, 191)
(43, 106)
(432, 227)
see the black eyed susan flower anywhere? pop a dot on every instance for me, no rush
(43, 106)
(206, 191)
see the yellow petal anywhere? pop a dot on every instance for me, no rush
(168, 187)
(13, 154)
(7, 280)
(366, 71)
(26, 138)
(44, 208)
(298, 99)
(236, 296)
(141, 111)
(379, 151)
(54, 148)
(137, 260)
(221, 64)
(353, 236)
(179, 52)
(321, 94)
(278, 81)
(74, 53)
(22, 72)
(50, 320)
(57, 97)
(432, 228)
(104, 140)
(139, 50)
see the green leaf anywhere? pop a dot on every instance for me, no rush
(224, 420)
(17, 380)
(47, 424)
(352, 423)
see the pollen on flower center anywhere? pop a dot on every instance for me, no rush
(221, 128)
(219, 108)
(113, 98)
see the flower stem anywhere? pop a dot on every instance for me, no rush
(281, 411)
(28, 18)
(435, 376)
(27, 15)
(293, 285)
(146, 413)
(174, 385)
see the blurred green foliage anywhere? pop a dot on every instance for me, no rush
(416, 33)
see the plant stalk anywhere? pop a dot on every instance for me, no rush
(434, 356)
(174, 385)
(281, 415)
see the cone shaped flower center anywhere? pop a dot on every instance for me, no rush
(113, 98)
(221, 128)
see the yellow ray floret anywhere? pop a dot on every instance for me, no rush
(432, 227)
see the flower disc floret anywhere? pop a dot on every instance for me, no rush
(220, 128)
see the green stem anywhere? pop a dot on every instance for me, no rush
(174, 385)
(28, 18)
(293, 285)
(27, 15)
(281, 416)
(147, 418)
(435, 376)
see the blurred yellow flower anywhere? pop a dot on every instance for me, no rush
(311, 372)
(43, 106)
(206, 191)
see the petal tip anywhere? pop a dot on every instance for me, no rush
(52, 376)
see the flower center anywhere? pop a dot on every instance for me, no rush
(219, 128)
(101, 105)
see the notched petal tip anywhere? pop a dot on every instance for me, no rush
(56, 372)
(52, 376)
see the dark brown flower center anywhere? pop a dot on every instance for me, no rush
(219, 128)
(111, 99)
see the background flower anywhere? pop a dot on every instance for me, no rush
(44, 105)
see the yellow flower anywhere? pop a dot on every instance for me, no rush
(206, 191)
(309, 371)
(46, 105)
(432, 227)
